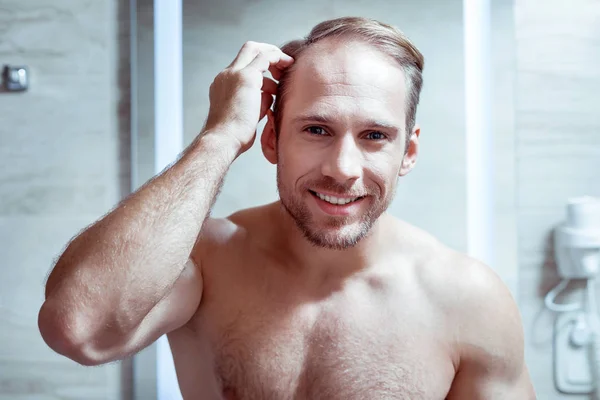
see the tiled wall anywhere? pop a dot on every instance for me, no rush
(64, 156)
(558, 149)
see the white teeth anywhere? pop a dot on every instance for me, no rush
(335, 200)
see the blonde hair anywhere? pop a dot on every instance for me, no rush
(386, 38)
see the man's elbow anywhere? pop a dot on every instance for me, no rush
(68, 338)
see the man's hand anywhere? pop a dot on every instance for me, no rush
(240, 95)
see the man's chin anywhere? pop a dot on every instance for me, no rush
(339, 238)
(331, 243)
(328, 231)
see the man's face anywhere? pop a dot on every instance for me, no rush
(341, 142)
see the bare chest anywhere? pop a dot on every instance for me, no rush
(339, 351)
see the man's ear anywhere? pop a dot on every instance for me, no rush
(268, 140)
(411, 152)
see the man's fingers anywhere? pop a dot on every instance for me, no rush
(269, 86)
(249, 51)
(246, 54)
(264, 61)
(284, 62)
(275, 72)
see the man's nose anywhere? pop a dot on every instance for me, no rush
(344, 161)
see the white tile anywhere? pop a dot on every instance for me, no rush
(59, 170)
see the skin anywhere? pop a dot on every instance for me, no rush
(291, 300)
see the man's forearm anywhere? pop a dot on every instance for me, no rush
(119, 268)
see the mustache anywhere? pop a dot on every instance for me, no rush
(330, 185)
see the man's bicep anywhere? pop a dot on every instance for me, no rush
(170, 313)
(489, 340)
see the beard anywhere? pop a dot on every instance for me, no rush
(334, 232)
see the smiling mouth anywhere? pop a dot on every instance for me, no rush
(338, 201)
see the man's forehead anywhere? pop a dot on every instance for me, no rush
(347, 63)
(332, 58)
(354, 73)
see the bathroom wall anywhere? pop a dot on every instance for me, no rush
(64, 157)
(557, 146)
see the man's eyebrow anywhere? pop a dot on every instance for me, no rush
(372, 123)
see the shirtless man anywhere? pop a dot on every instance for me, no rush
(321, 295)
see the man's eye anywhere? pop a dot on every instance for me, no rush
(315, 130)
(376, 135)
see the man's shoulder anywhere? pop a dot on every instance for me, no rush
(446, 271)
(476, 304)
(462, 284)
(253, 217)
(222, 231)
(416, 243)
(467, 290)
